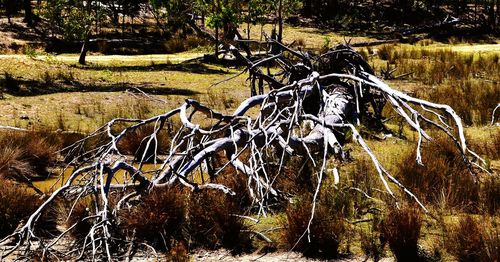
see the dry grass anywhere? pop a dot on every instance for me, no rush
(488, 146)
(401, 229)
(158, 219)
(25, 155)
(473, 240)
(328, 230)
(17, 203)
(444, 177)
(467, 81)
(102, 83)
(489, 194)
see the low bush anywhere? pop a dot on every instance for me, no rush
(25, 155)
(473, 240)
(158, 219)
(328, 230)
(490, 194)
(213, 222)
(443, 176)
(400, 228)
(17, 203)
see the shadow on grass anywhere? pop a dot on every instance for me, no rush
(194, 68)
(29, 87)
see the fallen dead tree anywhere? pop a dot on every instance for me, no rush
(335, 92)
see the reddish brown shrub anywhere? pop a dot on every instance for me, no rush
(401, 230)
(159, 218)
(471, 240)
(213, 222)
(136, 143)
(328, 229)
(25, 155)
(17, 203)
(444, 176)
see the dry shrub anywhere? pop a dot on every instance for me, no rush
(158, 219)
(76, 216)
(473, 240)
(213, 222)
(490, 194)
(328, 229)
(386, 52)
(490, 147)
(177, 252)
(179, 43)
(25, 155)
(473, 101)
(444, 176)
(169, 217)
(297, 176)
(136, 143)
(174, 45)
(17, 203)
(400, 228)
(371, 241)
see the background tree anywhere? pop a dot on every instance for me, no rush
(11, 7)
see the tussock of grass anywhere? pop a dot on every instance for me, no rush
(444, 177)
(473, 240)
(25, 155)
(401, 229)
(329, 229)
(158, 219)
(17, 203)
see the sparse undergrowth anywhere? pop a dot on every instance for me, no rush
(472, 239)
(179, 222)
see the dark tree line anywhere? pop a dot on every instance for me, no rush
(78, 20)
(484, 12)
(225, 15)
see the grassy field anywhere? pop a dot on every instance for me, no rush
(48, 92)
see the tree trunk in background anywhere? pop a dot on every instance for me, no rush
(83, 53)
(216, 42)
(280, 21)
(85, 46)
(307, 9)
(498, 12)
(28, 12)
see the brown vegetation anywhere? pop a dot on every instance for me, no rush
(473, 240)
(17, 203)
(401, 229)
(328, 230)
(443, 178)
(25, 155)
